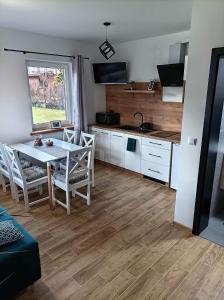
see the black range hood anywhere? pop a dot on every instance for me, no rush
(171, 74)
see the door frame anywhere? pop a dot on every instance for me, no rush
(210, 138)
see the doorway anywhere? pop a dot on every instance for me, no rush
(209, 206)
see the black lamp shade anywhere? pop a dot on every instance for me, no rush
(107, 50)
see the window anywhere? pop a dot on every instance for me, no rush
(49, 92)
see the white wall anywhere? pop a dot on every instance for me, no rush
(144, 55)
(15, 116)
(206, 33)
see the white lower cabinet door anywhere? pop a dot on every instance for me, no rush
(155, 170)
(132, 160)
(117, 149)
(156, 155)
(102, 151)
(106, 145)
(98, 151)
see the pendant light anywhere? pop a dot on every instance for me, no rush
(106, 48)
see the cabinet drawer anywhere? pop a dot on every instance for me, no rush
(154, 170)
(156, 143)
(117, 135)
(156, 155)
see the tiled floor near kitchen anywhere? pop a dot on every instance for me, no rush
(122, 247)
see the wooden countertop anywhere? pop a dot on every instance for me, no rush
(173, 137)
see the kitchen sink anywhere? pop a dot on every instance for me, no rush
(133, 128)
(128, 127)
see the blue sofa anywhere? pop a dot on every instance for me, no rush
(19, 262)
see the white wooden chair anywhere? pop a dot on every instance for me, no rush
(5, 170)
(27, 179)
(69, 135)
(88, 140)
(75, 176)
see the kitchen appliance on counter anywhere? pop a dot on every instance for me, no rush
(108, 118)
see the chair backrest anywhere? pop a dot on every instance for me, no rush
(78, 163)
(4, 163)
(69, 135)
(15, 165)
(87, 140)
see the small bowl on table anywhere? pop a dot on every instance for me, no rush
(49, 143)
(38, 140)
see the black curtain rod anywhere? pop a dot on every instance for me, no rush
(33, 52)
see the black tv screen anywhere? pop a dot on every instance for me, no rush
(109, 73)
(171, 75)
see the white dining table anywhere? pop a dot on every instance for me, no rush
(46, 154)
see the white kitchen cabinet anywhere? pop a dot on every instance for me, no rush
(155, 170)
(156, 143)
(96, 132)
(175, 172)
(152, 157)
(102, 151)
(117, 149)
(155, 158)
(156, 155)
(105, 144)
(132, 160)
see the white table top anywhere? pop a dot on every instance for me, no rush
(44, 153)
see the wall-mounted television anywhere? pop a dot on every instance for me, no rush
(171, 74)
(110, 73)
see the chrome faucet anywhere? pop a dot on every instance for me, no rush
(141, 114)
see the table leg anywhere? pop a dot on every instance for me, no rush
(50, 185)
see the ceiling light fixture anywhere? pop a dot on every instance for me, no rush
(106, 48)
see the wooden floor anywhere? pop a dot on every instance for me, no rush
(122, 247)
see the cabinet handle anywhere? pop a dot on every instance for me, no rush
(158, 144)
(120, 136)
(154, 171)
(154, 155)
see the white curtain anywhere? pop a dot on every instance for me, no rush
(79, 116)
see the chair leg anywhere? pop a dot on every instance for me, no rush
(88, 194)
(93, 176)
(3, 183)
(56, 166)
(68, 202)
(53, 195)
(40, 190)
(12, 188)
(16, 193)
(26, 199)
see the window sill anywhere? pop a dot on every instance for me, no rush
(50, 130)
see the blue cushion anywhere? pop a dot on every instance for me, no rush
(19, 262)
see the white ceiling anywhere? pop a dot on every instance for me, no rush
(82, 19)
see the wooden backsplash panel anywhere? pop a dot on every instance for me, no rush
(163, 115)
